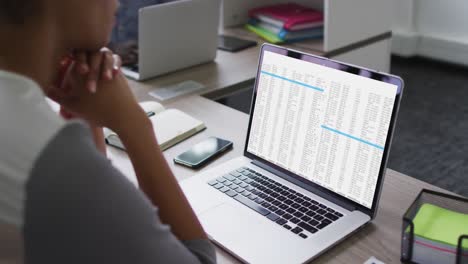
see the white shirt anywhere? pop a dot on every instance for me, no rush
(27, 123)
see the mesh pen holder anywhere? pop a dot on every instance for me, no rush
(458, 255)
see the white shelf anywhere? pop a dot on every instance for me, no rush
(346, 22)
(314, 46)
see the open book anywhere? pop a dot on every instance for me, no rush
(171, 126)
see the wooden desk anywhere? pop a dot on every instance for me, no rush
(220, 120)
(220, 77)
(381, 238)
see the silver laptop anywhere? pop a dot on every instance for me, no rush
(314, 161)
(175, 35)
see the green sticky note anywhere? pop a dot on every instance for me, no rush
(440, 224)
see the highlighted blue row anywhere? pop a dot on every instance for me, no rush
(353, 137)
(293, 81)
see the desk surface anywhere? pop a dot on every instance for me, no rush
(222, 75)
(381, 238)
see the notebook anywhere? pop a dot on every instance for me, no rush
(290, 16)
(171, 126)
(265, 34)
(288, 35)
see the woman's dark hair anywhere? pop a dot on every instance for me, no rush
(17, 11)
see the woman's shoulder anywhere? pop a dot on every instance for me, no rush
(27, 124)
(27, 121)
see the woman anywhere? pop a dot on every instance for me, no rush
(63, 200)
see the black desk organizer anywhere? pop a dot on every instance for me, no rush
(447, 201)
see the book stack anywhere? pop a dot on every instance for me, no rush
(286, 23)
(436, 234)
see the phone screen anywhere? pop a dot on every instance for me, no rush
(203, 151)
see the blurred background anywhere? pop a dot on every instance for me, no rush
(429, 50)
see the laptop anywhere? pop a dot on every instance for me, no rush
(174, 36)
(312, 171)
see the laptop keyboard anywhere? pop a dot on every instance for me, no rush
(292, 210)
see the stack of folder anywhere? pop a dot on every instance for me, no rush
(436, 234)
(286, 23)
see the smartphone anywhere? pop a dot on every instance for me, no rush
(203, 152)
(234, 44)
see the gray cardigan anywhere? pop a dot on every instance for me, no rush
(80, 209)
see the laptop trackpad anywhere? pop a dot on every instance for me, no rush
(242, 231)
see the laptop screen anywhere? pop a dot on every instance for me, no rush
(324, 124)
